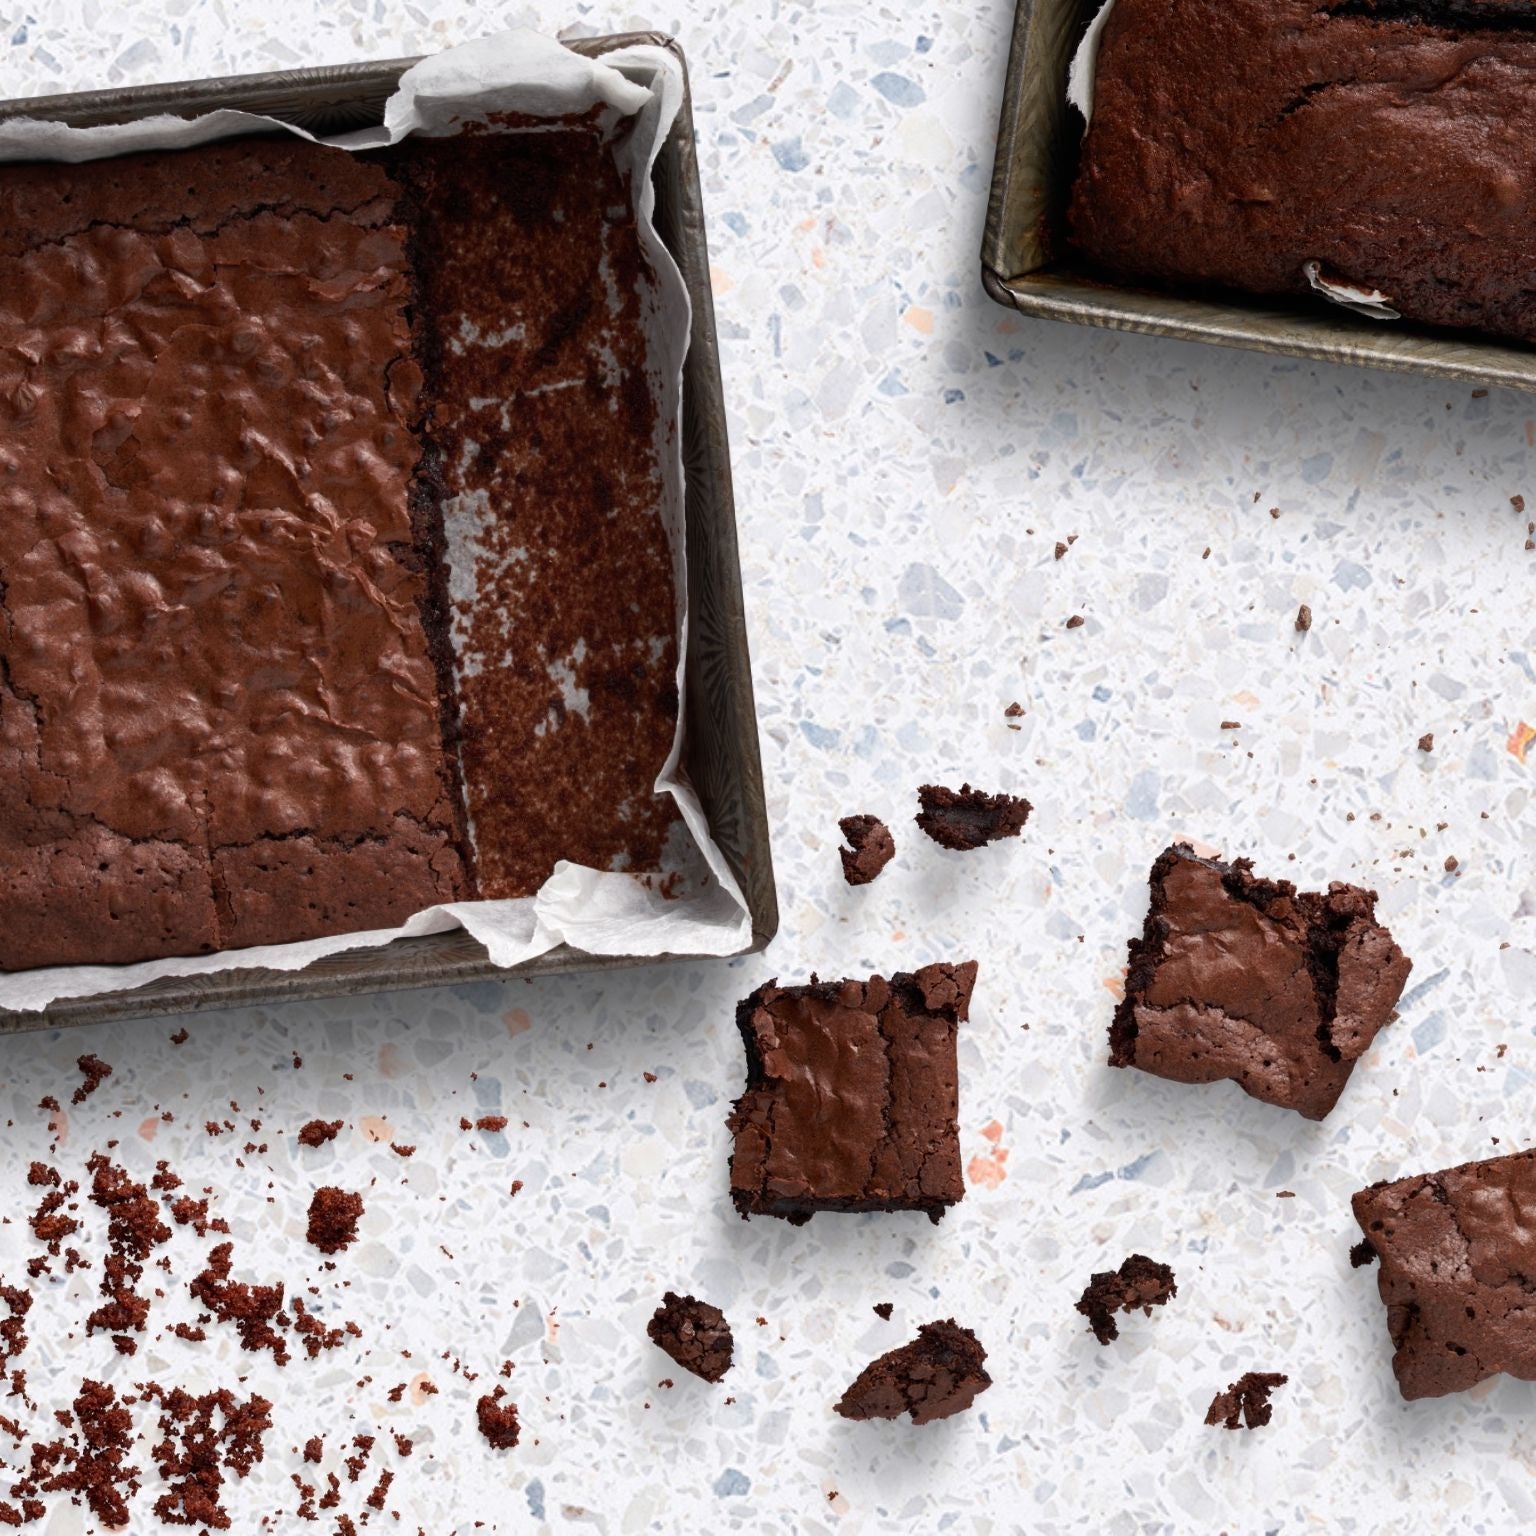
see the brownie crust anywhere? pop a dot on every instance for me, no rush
(1458, 1265)
(1235, 141)
(852, 1096)
(1240, 978)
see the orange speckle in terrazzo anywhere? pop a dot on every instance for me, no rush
(389, 1059)
(1115, 986)
(993, 1131)
(149, 1128)
(920, 319)
(517, 1021)
(987, 1168)
(376, 1128)
(422, 1388)
(720, 281)
(1520, 740)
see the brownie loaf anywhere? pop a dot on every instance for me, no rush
(249, 390)
(1235, 141)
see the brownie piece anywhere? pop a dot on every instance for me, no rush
(940, 1373)
(871, 848)
(1139, 1282)
(695, 1334)
(966, 818)
(1234, 142)
(1236, 977)
(852, 1096)
(1245, 1404)
(1458, 1257)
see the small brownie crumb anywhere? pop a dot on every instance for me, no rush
(1139, 1282)
(1245, 1404)
(695, 1334)
(315, 1133)
(883, 1309)
(497, 1420)
(96, 1072)
(968, 818)
(1427, 742)
(1076, 621)
(333, 1217)
(1362, 1254)
(941, 1372)
(180, 1037)
(1303, 619)
(402, 1150)
(872, 848)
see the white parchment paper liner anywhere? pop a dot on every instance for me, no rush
(1368, 301)
(600, 912)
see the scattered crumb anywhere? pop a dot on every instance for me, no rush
(1245, 1404)
(883, 1309)
(1303, 619)
(180, 1037)
(1231, 725)
(333, 1218)
(1076, 621)
(95, 1071)
(1427, 742)
(315, 1133)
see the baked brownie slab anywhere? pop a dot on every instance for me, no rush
(1235, 141)
(1237, 977)
(210, 631)
(852, 1096)
(1458, 1272)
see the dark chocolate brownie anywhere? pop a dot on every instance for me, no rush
(871, 848)
(229, 713)
(1233, 142)
(852, 1096)
(966, 818)
(1236, 977)
(1245, 1404)
(941, 1372)
(1458, 1272)
(1139, 1282)
(695, 1334)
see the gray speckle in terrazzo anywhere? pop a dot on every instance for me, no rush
(906, 457)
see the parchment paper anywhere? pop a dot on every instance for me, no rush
(1370, 302)
(600, 912)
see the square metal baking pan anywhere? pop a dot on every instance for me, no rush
(720, 744)
(1026, 262)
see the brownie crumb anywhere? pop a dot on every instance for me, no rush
(91, 1464)
(333, 1217)
(95, 1071)
(1139, 1282)
(1518, 503)
(314, 1448)
(1013, 714)
(517, 1184)
(1303, 619)
(251, 1308)
(871, 848)
(1076, 621)
(968, 818)
(491, 1123)
(941, 1372)
(315, 1133)
(1427, 742)
(1231, 725)
(883, 1310)
(497, 1420)
(695, 1334)
(1061, 548)
(401, 1149)
(1245, 1404)
(1362, 1254)
(194, 1451)
(134, 1230)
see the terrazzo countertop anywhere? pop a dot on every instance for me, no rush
(907, 456)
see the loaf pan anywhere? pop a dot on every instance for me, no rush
(720, 739)
(1027, 264)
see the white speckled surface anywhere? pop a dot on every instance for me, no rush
(896, 437)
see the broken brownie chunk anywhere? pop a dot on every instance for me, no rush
(871, 848)
(1458, 1261)
(1245, 1404)
(695, 1334)
(1139, 1282)
(941, 1372)
(1236, 977)
(852, 1096)
(967, 818)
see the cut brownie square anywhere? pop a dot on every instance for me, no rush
(1458, 1272)
(1236, 977)
(852, 1096)
(941, 1372)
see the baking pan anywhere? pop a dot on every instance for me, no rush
(1027, 264)
(720, 740)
